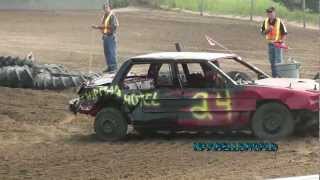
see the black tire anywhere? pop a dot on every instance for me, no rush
(272, 121)
(46, 80)
(40, 80)
(26, 78)
(110, 125)
(56, 69)
(3, 77)
(25, 62)
(6, 61)
(13, 79)
(16, 76)
(16, 72)
(14, 61)
(92, 76)
(1, 60)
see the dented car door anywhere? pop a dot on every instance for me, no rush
(160, 104)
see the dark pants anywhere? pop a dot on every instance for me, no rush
(110, 52)
(275, 57)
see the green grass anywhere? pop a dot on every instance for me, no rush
(60, 4)
(240, 7)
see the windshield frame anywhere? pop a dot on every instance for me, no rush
(260, 74)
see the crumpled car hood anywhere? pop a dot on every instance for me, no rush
(104, 79)
(298, 84)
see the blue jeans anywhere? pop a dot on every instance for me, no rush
(110, 52)
(275, 57)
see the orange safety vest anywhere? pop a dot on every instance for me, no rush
(107, 22)
(275, 34)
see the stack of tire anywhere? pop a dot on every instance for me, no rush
(23, 73)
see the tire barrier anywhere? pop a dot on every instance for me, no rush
(16, 76)
(92, 76)
(49, 81)
(24, 73)
(14, 61)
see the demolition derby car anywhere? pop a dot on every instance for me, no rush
(181, 91)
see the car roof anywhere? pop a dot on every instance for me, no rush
(206, 56)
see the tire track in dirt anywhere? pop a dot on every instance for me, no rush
(68, 148)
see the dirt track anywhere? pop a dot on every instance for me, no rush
(39, 139)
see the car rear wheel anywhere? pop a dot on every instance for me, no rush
(110, 125)
(272, 121)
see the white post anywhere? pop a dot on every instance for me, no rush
(319, 12)
(251, 10)
(91, 52)
(304, 13)
(201, 7)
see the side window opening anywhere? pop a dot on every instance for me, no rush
(138, 70)
(165, 76)
(196, 76)
(182, 74)
(138, 78)
(199, 75)
(190, 74)
(149, 76)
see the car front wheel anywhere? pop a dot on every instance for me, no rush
(110, 125)
(272, 121)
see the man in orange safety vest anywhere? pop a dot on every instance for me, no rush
(108, 29)
(275, 32)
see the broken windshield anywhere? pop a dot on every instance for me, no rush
(238, 71)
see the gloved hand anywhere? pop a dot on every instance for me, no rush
(280, 44)
(94, 26)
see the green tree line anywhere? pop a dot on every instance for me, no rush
(58, 4)
(311, 5)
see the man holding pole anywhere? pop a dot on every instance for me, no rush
(108, 29)
(275, 33)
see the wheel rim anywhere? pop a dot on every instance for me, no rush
(272, 123)
(107, 127)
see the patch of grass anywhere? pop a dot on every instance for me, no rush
(60, 4)
(239, 7)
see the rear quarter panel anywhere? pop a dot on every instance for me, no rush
(293, 99)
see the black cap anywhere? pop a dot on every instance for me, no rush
(107, 3)
(270, 9)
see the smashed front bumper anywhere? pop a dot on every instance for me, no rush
(86, 107)
(74, 105)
